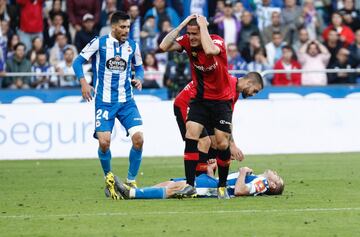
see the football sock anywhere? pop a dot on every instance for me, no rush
(135, 158)
(212, 153)
(201, 167)
(191, 158)
(105, 160)
(223, 163)
(148, 193)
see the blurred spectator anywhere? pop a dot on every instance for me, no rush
(18, 63)
(314, 56)
(14, 40)
(9, 13)
(302, 38)
(195, 6)
(87, 33)
(57, 52)
(260, 64)
(345, 33)
(125, 5)
(235, 61)
(310, 19)
(135, 27)
(355, 50)
(56, 9)
(289, 16)
(31, 20)
(288, 61)
(177, 74)
(275, 26)
(238, 10)
(274, 48)
(160, 12)
(247, 29)
(148, 35)
(163, 57)
(106, 29)
(341, 62)
(43, 66)
(110, 7)
(333, 44)
(150, 65)
(351, 16)
(65, 67)
(4, 37)
(56, 26)
(228, 26)
(37, 45)
(254, 43)
(77, 9)
(264, 10)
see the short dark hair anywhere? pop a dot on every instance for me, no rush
(256, 78)
(19, 44)
(119, 16)
(193, 22)
(41, 52)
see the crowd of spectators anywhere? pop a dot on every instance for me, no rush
(46, 36)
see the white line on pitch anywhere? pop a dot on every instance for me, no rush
(340, 209)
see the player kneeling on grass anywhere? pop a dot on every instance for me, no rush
(241, 183)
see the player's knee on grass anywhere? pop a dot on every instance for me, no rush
(138, 140)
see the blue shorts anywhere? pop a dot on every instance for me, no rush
(127, 113)
(202, 181)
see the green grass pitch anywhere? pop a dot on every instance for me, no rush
(66, 198)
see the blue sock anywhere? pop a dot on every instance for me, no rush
(105, 160)
(150, 193)
(135, 161)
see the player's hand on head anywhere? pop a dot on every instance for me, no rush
(137, 84)
(201, 20)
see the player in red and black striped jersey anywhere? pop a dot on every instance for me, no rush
(181, 105)
(211, 106)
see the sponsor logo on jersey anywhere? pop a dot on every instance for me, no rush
(206, 69)
(219, 42)
(260, 186)
(179, 38)
(116, 64)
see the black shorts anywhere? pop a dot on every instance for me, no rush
(207, 131)
(211, 114)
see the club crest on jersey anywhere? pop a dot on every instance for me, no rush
(129, 49)
(116, 64)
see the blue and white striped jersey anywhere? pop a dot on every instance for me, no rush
(111, 66)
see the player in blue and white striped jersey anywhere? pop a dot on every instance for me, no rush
(241, 183)
(112, 56)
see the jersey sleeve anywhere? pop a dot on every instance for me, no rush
(257, 186)
(137, 60)
(219, 42)
(91, 48)
(184, 42)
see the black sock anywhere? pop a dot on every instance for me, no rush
(201, 167)
(212, 153)
(223, 163)
(191, 158)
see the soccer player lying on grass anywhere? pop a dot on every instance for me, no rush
(241, 183)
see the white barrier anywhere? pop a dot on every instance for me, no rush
(260, 127)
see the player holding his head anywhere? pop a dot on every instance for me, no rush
(211, 105)
(248, 85)
(112, 56)
(241, 183)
